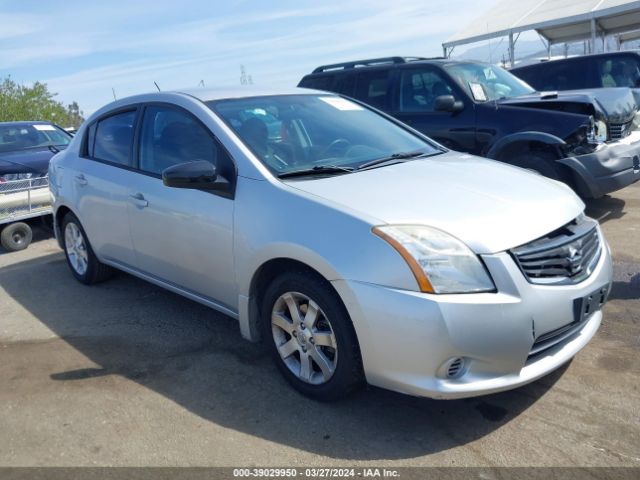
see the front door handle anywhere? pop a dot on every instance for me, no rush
(81, 180)
(139, 200)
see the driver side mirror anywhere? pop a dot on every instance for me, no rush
(198, 175)
(446, 103)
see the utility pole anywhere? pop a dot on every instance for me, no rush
(244, 78)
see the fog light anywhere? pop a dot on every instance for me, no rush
(454, 368)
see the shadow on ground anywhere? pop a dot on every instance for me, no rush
(196, 358)
(605, 208)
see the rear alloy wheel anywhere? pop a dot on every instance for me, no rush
(16, 236)
(310, 336)
(83, 263)
(76, 248)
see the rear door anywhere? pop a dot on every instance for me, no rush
(414, 98)
(372, 86)
(102, 180)
(182, 236)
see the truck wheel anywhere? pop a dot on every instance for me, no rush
(541, 162)
(81, 259)
(16, 236)
(310, 336)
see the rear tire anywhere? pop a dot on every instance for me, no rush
(315, 349)
(82, 261)
(16, 236)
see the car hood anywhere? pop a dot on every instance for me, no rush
(618, 105)
(488, 205)
(25, 161)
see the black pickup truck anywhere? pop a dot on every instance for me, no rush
(587, 138)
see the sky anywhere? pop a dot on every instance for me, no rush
(84, 49)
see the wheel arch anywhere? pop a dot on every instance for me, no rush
(249, 311)
(58, 215)
(525, 140)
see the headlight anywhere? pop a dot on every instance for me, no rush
(441, 263)
(598, 132)
(636, 121)
(16, 176)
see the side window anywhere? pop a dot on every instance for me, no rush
(346, 84)
(563, 75)
(325, 82)
(111, 138)
(170, 136)
(373, 88)
(618, 71)
(419, 89)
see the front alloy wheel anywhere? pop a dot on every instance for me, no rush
(310, 335)
(304, 338)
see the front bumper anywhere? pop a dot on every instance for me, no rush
(611, 167)
(407, 339)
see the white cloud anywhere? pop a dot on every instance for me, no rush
(105, 45)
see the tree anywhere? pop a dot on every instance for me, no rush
(36, 102)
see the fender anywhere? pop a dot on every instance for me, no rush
(538, 137)
(56, 228)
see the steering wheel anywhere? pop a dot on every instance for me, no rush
(339, 145)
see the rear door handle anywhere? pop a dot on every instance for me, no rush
(81, 180)
(139, 200)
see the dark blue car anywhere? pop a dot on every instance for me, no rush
(25, 151)
(27, 147)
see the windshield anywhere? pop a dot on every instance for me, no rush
(487, 82)
(22, 137)
(303, 132)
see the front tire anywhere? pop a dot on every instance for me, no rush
(310, 336)
(82, 261)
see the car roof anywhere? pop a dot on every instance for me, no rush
(247, 91)
(543, 61)
(388, 62)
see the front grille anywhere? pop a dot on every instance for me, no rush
(619, 130)
(567, 255)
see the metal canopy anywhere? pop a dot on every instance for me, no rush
(556, 21)
(629, 36)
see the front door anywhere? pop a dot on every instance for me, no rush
(414, 98)
(182, 236)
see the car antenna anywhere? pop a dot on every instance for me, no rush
(114, 93)
(156, 85)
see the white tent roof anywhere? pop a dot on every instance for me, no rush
(556, 20)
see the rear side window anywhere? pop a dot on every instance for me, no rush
(110, 138)
(618, 71)
(562, 75)
(373, 87)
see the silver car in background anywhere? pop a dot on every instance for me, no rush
(355, 247)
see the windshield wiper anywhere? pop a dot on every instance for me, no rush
(317, 170)
(396, 158)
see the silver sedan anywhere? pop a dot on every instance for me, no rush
(358, 249)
